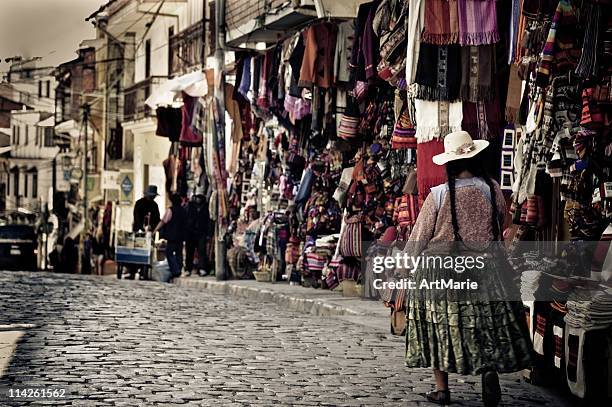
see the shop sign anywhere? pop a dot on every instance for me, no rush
(126, 184)
(110, 179)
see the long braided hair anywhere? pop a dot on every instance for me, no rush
(475, 166)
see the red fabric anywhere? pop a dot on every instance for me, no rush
(429, 174)
(188, 137)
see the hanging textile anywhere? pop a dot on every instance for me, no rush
(441, 22)
(438, 74)
(436, 119)
(477, 68)
(477, 22)
(169, 123)
(429, 174)
(188, 136)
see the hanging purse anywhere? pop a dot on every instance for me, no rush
(350, 241)
(349, 122)
(404, 133)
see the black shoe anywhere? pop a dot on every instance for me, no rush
(441, 397)
(491, 392)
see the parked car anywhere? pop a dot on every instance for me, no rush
(18, 247)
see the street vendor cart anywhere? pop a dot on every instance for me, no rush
(134, 250)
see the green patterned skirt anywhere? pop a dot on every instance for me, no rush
(466, 334)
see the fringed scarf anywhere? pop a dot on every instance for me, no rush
(438, 74)
(429, 174)
(514, 96)
(415, 21)
(435, 120)
(441, 22)
(482, 119)
(477, 65)
(477, 22)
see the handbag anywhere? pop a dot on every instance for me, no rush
(404, 133)
(349, 122)
(350, 241)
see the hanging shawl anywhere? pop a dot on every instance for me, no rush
(436, 119)
(482, 119)
(416, 18)
(438, 74)
(477, 22)
(477, 65)
(441, 22)
(429, 174)
(514, 95)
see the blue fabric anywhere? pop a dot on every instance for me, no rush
(174, 255)
(305, 186)
(245, 81)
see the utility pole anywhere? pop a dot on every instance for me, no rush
(220, 272)
(85, 169)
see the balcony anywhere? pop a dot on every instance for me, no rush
(135, 96)
(186, 49)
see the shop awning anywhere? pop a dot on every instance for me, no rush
(194, 84)
(72, 128)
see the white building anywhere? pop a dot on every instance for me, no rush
(32, 144)
(155, 43)
(31, 161)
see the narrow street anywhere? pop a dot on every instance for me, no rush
(126, 343)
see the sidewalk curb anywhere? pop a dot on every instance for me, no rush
(321, 306)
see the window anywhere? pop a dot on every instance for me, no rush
(147, 58)
(14, 139)
(27, 135)
(49, 142)
(25, 184)
(34, 185)
(18, 141)
(48, 92)
(170, 35)
(40, 86)
(92, 160)
(16, 183)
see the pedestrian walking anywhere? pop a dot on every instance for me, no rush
(98, 250)
(197, 232)
(458, 336)
(173, 229)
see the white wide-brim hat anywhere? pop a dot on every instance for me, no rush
(459, 145)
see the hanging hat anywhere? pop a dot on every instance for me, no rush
(151, 191)
(459, 145)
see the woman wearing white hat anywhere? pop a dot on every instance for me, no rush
(452, 334)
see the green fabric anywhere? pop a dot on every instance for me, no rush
(466, 335)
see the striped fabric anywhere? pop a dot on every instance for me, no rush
(477, 22)
(441, 22)
(559, 41)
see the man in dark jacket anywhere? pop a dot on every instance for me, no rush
(173, 225)
(197, 228)
(146, 211)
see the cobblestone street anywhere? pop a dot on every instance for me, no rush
(122, 343)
